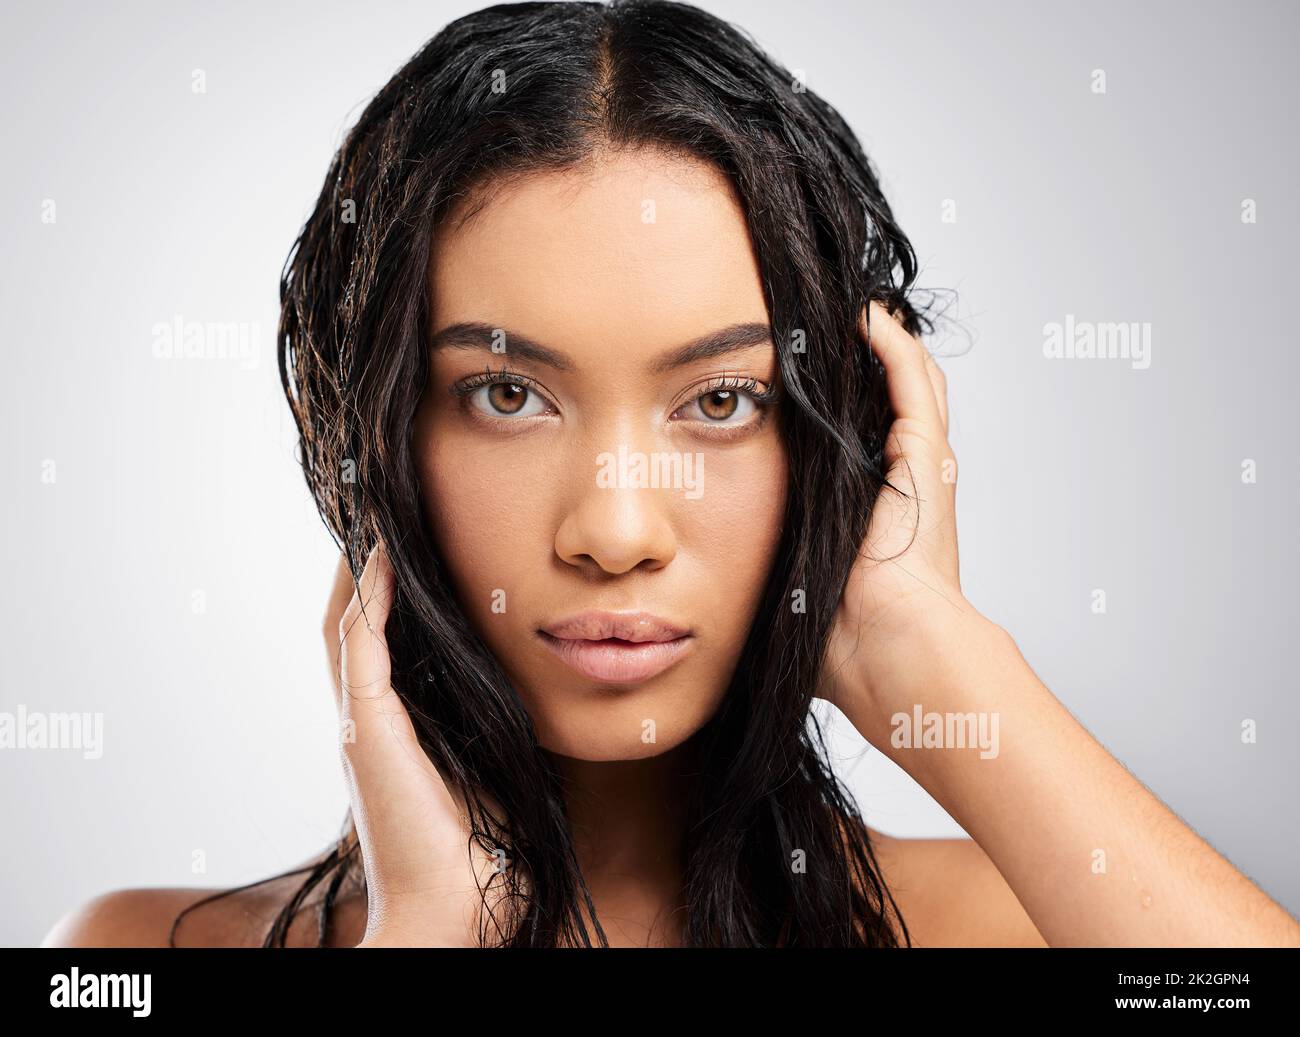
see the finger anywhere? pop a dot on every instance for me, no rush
(370, 711)
(903, 358)
(379, 741)
(340, 594)
(939, 383)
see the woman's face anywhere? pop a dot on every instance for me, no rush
(608, 509)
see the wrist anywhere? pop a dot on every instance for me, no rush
(932, 660)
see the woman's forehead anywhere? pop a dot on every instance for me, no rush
(651, 252)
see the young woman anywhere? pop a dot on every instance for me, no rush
(603, 348)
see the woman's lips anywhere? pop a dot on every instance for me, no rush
(616, 648)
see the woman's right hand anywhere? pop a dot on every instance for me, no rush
(423, 874)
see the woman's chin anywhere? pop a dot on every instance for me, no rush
(580, 742)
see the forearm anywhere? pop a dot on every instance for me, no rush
(1094, 858)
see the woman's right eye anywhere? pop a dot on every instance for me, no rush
(507, 400)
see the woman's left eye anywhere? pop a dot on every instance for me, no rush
(722, 406)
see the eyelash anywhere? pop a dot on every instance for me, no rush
(751, 387)
(504, 376)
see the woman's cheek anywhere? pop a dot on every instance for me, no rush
(739, 515)
(485, 503)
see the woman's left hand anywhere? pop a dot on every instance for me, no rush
(1042, 798)
(904, 591)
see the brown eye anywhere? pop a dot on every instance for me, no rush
(502, 398)
(719, 404)
(507, 398)
(726, 406)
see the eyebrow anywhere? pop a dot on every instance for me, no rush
(477, 335)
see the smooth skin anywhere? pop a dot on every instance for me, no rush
(564, 260)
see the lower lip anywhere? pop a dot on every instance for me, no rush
(617, 662)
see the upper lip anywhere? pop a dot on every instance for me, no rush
(595, 625)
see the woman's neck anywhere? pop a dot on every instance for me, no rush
(627, 819)
(627, 816)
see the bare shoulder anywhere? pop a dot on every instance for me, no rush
(131, 918)
(951, 894)
(144, 918)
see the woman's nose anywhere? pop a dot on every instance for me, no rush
(618, 524)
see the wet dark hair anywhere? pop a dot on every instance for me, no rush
(522, 88)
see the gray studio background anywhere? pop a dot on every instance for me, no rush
(173, 574)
